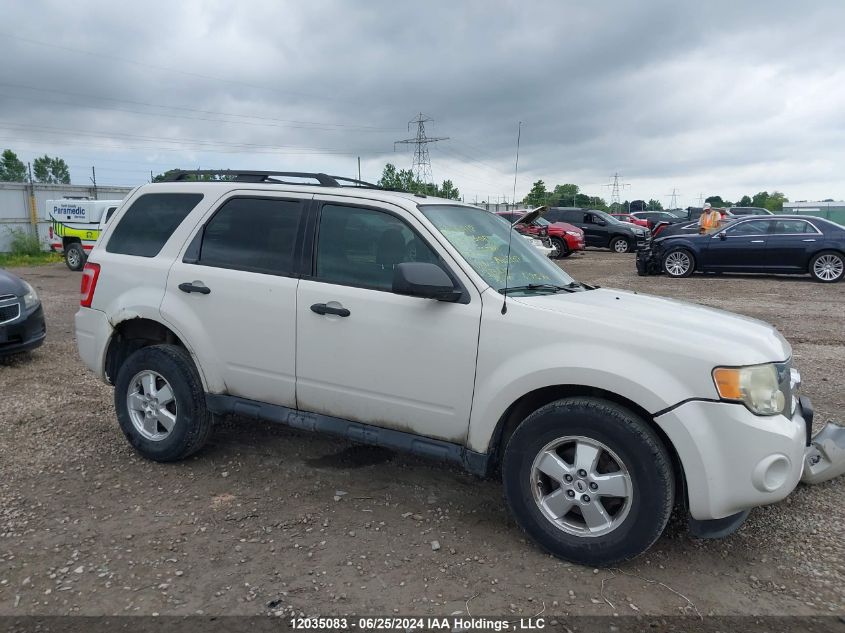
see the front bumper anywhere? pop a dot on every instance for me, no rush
(732, 459)
(24, 333)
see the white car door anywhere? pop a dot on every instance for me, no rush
(376, 357)
(232, 294)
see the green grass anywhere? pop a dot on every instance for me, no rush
(12, 260)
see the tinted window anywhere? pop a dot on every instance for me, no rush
(752, 227)
(361, 247)
(149, 223)
(793, 226)
(252, 234)
(109, 213)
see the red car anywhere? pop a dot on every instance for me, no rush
(565, 238)
(630, 219)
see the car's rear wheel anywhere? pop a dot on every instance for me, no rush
(620, 245)
(562, 250)
(589, 481)
(160, 403)
(828, 267)
(678, 263)
(75, 256)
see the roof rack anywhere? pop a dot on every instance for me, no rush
(237, 175)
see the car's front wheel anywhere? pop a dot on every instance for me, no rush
(160, 403)
(562, 250)
(678, 263)
(589, 481)
(828, 267)
(620, 245)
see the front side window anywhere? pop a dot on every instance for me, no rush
(254, 234)
(752, 227)
(362, 247)
(149, 222)
(482, 240)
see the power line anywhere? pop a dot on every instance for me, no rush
(421, 164)
(170, 69)
(308, 125)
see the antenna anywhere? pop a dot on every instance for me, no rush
(512, 228)
(421, 165)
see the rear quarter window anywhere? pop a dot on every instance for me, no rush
(149, 222)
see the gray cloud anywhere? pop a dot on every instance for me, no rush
(714, 97)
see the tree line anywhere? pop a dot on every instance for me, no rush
(45, 169)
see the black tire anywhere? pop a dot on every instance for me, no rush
(75, 256)
(562, 248)
(678, 271)
(621, 245)
(828, 274)
(638, 447)
(193, 420)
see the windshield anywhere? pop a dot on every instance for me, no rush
(482, 237)
(607, 217)
(542, 222)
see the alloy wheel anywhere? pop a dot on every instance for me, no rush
(581, 486)
(677, 264)
(152, 405)
(828, 267)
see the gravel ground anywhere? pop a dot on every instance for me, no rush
(269, 520)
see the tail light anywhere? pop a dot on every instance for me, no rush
(89, 283)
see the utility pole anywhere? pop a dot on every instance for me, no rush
(33, 214)
(421, 164)
(94, 180)
(701, 199)
(616, 188)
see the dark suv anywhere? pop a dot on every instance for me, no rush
(601, 229)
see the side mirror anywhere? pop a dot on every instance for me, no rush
(599, 221)
(422, 279)
(722, 235)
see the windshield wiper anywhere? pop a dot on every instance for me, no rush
(546, 287)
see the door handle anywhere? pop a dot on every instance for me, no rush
(195, 286)
(758, 241)
(322, 308)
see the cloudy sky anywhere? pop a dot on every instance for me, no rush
(702, 97)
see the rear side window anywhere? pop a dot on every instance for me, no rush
(149, 223)
(254, 234)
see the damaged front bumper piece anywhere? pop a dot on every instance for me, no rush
(824, 458)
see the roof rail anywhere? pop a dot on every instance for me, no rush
(238, 175)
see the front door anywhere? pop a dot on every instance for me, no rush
(594, 234)
(233, 295)
(366, 354)
(739, 247)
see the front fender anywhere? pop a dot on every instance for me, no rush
(618, 371)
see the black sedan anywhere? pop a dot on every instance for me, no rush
(21, 316)
(782, 244)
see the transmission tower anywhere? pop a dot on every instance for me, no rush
(673, 199)
(616, 189)
(421, 165)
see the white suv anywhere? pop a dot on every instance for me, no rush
(421, 324)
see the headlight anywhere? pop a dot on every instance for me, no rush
(757, 387)
(30, 299)
(573, 233)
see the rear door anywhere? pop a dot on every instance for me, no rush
(232, 293)
(791, 244)
(381, 358)
(740, 247)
